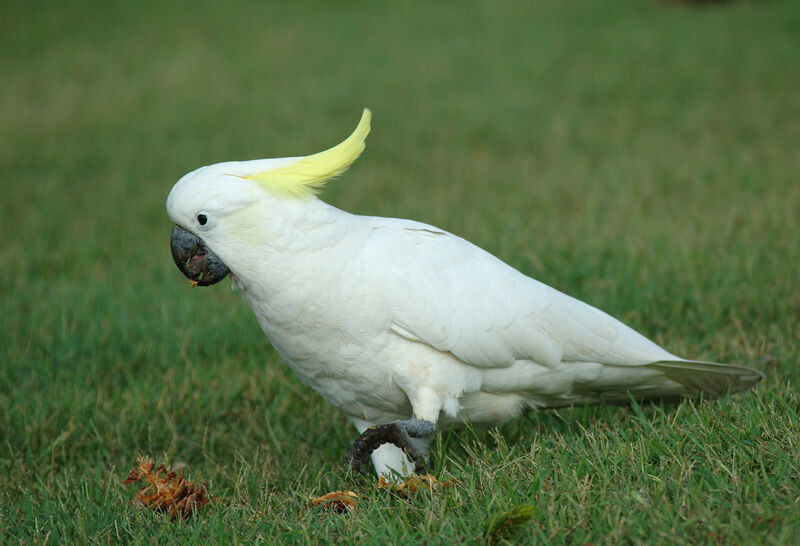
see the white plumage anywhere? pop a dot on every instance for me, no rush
(386, 318)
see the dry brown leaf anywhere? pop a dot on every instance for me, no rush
(166, 491)
(338, 501)
(413, 484)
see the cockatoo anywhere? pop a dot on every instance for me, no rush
(403, 326)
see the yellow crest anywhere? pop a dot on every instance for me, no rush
(307, 175)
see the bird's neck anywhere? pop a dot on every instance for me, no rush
(279, 250)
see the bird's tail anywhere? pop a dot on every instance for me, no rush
(708, 379)
(666, 380)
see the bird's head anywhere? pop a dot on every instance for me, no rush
(217, 208)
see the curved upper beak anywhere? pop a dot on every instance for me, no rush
(195, 260)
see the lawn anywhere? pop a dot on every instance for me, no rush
(640, 155)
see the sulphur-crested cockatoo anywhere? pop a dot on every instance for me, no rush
(403, 326)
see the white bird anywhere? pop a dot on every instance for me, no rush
(403, 326)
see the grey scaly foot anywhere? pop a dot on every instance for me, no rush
(398, 433)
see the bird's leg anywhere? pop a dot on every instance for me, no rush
(398, 433)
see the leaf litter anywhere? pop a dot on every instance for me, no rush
(166, 491)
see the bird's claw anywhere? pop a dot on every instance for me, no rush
(374, 437)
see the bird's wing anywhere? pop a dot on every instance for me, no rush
(452, 295)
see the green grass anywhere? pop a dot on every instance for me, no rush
(641, 156)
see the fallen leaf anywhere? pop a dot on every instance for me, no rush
(166, 491)
(338, 501)
(504, 525)
(413, 484)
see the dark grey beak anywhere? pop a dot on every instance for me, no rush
(195, 260)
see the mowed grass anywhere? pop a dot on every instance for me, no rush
(641, 156)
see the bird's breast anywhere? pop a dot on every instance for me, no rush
(344, 358)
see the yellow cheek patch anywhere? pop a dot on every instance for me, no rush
(309, 174)
(247, 225)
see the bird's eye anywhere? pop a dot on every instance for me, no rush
(202, 219)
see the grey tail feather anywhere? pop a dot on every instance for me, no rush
(708, 379)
